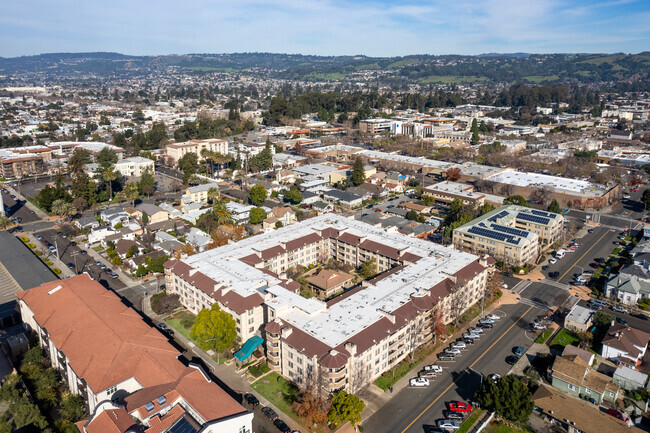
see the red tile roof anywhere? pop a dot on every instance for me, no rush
(109, 421)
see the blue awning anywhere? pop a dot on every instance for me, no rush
(249, 347)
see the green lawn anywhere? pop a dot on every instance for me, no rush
(541, 338)
(98, 248)
(495, 427)
(564, 338)
(470, 421)
(278, 391)
(388, 379)
(180, 322)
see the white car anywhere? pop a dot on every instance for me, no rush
(495, 377)
(477, 330)
(452, 351)
(434, 368)
(552, 261)
(470, 335)
(486, 320)
(537, 325)
(493, 317)
(459, 345)
(448, 424)
(419, 381)
(504, 285)
(620, 309)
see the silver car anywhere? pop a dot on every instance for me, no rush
(448, 424)
(452, 351)
(459, 345)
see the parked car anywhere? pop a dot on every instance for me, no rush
(555, 275)
(621, 321)
(552, 261)
(518, 351)
(419, 381)
(495, 377)
(640, 316)
(453, 415)
(71, 265)
(620, 309)
(452, 351)
(476, 330)
(447, 424)
(590, 231)
(282, 426)
(599, 259)
(468, 340)
(512, 359)
(269, 413)
(459, 406)
(618, 414)
(545, 268)
(469, 336)
(39, 237)
(486, 320)
(113, 275)
(459, 345)
(251, 399)
(445, 357)
(433, 367)
(83, 252)
(537, 325)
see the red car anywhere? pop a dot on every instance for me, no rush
(635, 190)
(618, 414)
(459, 406)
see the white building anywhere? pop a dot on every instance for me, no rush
(134, 166)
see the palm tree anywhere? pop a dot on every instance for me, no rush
(209, 157)
(109, 176)
(63, 208)
(213, 193)
(4, 222)
(131, 192)
(221, 212)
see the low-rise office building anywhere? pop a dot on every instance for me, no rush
(353, 338)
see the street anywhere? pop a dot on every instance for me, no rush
(413, 408)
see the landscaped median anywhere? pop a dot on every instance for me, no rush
(470, 421)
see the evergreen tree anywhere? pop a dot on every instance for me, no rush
(554, 207)
(358, 172)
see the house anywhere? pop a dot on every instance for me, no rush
(136, 261)
(125, 233)
(199, 193)
(198, 239)
(575, 415)
(126, 371)
(586, 356)
(410, 206)
(572, 375)
(284, 214)
(98, 234)
(86, 223)
(630, 379)
(328, 283)
(123, 246)
(625, 345)
(363, 193)
(343, 198)
(155, 213)
(630, 285)
(579, 319)
(240, 213)
(309, 198)
(321, 207)
(164, 226)
(173, 211)
(168, 247)
(114, 216)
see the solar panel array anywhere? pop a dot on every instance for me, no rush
(182, 426)
(533, 218)
(510, 230)
(501, 214)
(544, 214)
(503, 237)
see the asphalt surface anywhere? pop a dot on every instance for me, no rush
(413, 408)
(17, 208)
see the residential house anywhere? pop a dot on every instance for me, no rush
(361, 192)
(572, 375)
(625, 345)
(630, 285)
(343, 198)
(199, 193)
(309, 197)
(284, 214)
(114, 216)
(630, 379)
(171, 210)
(119, 364)
(123, 246)
(419, 208)
(198, 239)
(155, 213)
(144, 259)
(328, 283)
(86, 223)
(579, 319)
(240, 213)
(193, 215)
(321, 207)
(168, 247)
(98, 234)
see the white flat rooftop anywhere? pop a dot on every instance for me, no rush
(558, 184)
(431, 163)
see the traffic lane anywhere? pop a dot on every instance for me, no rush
(412, 408)
(598, 244)
(632, 321)
(17, 208)
(545, 294)
(587, 241)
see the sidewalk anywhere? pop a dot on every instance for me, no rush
(127, 280)
(47, 255)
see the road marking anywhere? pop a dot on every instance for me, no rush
(466, 370)
(521, 286)
(534, 304)
(582, 256)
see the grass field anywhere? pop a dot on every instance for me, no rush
(540, 78)
(564, 338)
(495, 427)
(179, 321)
(278, 391)
(541, 338)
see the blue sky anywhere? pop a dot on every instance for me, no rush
(324, 27)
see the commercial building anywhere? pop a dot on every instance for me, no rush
(353, 338)
(65, 148)
(447, 191)
(127, 372)
(15, 165)
(579, 319)
(511, 234)
(176, 151)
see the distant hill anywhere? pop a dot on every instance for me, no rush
(490, 67)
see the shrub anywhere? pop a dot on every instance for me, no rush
(162, 303)
(24, 239)
(56, 271)
(31, 246)
(38, 253)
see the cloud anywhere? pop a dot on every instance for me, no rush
(325, 27)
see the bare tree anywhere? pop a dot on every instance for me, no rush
(457, 301)
(358, 376)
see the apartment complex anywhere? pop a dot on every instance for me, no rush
(352, 338)
(511, 234)
(176, 151)
(447, 191)
(17, 165)
(127, 372)
(134, 166)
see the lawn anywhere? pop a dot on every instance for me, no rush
(388, 379)
(278, 391)
(564, 338)
(498, 427)
(470, 421)
(541, 338)
(182, 322)
(98, 248)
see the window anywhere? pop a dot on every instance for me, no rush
(587, 391)
(111, 390)
(572, 387)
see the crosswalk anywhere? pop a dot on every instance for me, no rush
(521, 286)
(534, 304)
(556, 284)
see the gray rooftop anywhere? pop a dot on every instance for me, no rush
(23, 265)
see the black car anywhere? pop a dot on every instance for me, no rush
(71, 265)
(269, 413)
(83, 252)
(468, 341)
(251, 399)
(555, 275)
(282, 426)
(590, 231)
(621, 321)
(487, 325)
(453, 415)
(512, 359)
(433, 429)
(640, 316)
(545, 268)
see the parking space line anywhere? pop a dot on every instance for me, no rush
(582, 256)
(466, 370)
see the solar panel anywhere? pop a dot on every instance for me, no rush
(510, 230)
(182, 426)
(533, 218)
(497, 216)
(543, 214)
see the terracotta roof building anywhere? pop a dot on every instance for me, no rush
(109, 355)
(328, 283)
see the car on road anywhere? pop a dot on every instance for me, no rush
(460, 406)
(591, 231)
(71, 265)
(447, 424)
(487, 325)
(251, 399)
(618, 414)
(640, 316)
(377, 210)
(83, 252)
(545, 268)
(537, 325)
(599, 259)
(512, 359)
(621, 321)
(486, 320)
(552, 261)
(113, 275)
(433, 367)
(554, 275)
(269, 413)
(419, 381)
(453, 415)
(39, 237)
(469, 336)
(468, 340)
(620, 309)
(52, 248)
(518, 350)
(452, 351)
(282, 426)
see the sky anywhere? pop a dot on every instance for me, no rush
(324, 27)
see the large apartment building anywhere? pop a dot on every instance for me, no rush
(127, 372)
(176, 151)
(352, 338)
(511, 234)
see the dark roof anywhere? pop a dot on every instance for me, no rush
(23, 265)
(341, 195)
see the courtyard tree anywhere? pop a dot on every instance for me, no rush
(187, 165)
(358, 172)
(293, 195)
(256, 215)
(131, 192)
(214, 329)
(554, 207)
(63, 208)
(345, 407)
(147, 182)
(453, 174)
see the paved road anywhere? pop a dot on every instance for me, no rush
(415, 407)
(18, 209)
